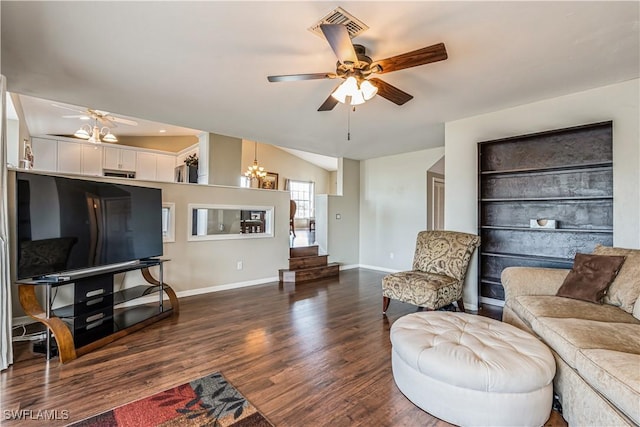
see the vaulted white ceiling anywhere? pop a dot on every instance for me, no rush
(203, 65)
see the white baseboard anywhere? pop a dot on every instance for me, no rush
(349, 266)
(200, 291)
(226, 287)
(374, 267)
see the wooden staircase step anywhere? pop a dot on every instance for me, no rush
(307, 261)
(308, 274)
(303, 251)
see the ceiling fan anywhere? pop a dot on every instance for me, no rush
(353, 62)
(96, 134)
(103, 117)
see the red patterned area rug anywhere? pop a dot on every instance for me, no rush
(208, 401)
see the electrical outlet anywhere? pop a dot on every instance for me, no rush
(239, 265)
(338, 216)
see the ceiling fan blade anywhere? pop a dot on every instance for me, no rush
(77, 110)
(338, 38)
(122, 121)
(426, 55)
(328, 104)
(298, 77)
(75, 116)
(107, 121)
(390, 92)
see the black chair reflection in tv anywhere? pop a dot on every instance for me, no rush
(45, 256)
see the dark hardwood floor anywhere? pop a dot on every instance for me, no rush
(314, 355)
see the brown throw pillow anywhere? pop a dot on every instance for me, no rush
(590, 277)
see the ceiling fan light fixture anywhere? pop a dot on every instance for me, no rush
(357, 98)
(95, 136)
(83, 132)
(344, 90)
(109, 137)
(339, 95)
(368, 90)
(348, 88)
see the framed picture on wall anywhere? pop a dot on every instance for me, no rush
(270, 182)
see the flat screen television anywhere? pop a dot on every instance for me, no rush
(65, 224)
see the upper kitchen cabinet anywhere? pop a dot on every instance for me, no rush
(155, 167)
(92, 159)
(69, 157)
(119, 159)
(82, 158)
(45, 154)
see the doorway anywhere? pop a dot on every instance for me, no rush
(435, 196)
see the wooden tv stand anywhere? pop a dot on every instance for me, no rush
(93, 320)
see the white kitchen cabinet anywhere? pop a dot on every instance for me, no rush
(119, 159)
(91, 159)
(128, 160)
(146, 166)
(111, 158)
(69, 157)
(165, 165)
(45, 154)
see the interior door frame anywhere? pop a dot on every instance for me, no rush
(432, 179)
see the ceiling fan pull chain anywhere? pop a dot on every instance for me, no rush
(349, 123)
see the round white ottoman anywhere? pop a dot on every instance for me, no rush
(472, 371)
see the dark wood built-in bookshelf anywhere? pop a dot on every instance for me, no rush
(564, 175)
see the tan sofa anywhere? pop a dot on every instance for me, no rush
(596, 347)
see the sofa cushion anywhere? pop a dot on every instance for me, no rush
(625, 289)
(530, 307)
(590, 277)
(567, 337)
(615, 375)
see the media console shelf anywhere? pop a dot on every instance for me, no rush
(98, 314)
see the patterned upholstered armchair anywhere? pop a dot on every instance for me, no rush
(439, 268)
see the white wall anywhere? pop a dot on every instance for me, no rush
(13, 143)
(618, 102)
(393, 207)
(225, 158)
(204, 264)
(343, 241)
(16, 136)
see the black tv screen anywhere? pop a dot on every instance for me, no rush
(68, 224)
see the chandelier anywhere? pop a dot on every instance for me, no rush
(358, 91)
(96, 134)
(255, 171)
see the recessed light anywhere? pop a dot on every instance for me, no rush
(163, 131)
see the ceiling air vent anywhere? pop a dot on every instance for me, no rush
(340, 16)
